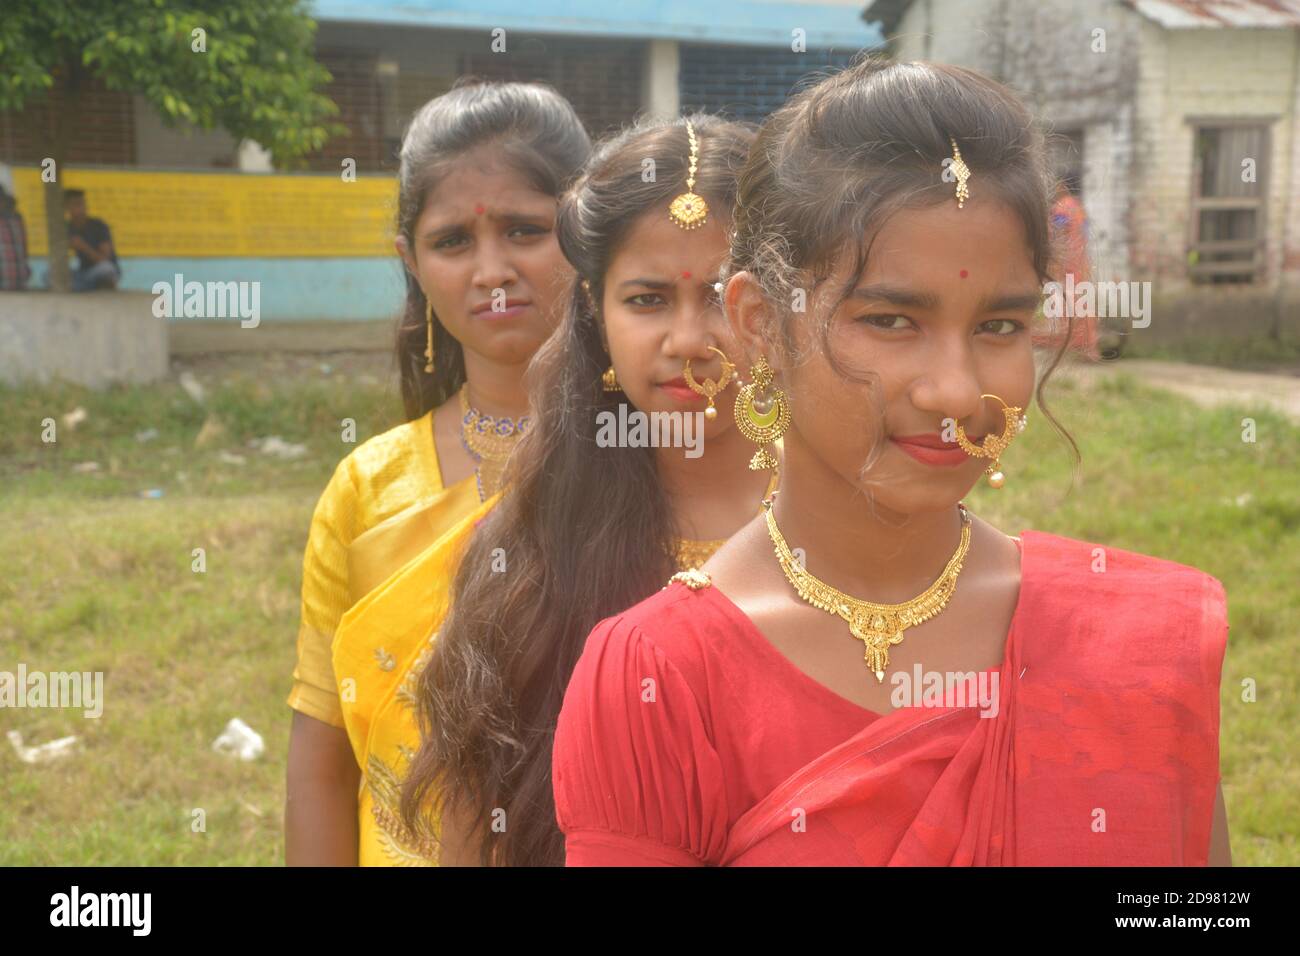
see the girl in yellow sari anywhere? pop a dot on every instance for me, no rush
(593, 517)
(481, 167)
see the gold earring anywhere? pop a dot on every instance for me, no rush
(762, 414)
(709, 389)
(428, 348)
(608, 382)
(995, 445)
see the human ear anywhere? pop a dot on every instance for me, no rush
(747, 310)
(588, 298)
(408, 257)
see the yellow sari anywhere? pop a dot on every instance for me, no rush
(385, 505)
(345, 556)
(379, 651)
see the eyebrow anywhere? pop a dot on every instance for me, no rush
(911, 298)
(445, 227)
(896, 295)
(648, 283)
(659, 283)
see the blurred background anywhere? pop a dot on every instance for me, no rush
(251, 144)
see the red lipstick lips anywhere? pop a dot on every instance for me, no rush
(930, 449)
(679, 390)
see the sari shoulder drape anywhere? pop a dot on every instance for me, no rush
(1116, 732)
(1104, 750)
(379, 651)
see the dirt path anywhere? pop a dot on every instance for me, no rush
(1205, 384)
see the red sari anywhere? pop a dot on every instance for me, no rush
(688, 739)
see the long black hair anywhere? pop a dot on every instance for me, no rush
(587, 531)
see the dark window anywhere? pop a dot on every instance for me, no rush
(1228, 192)
(748, 83)
(601, 78)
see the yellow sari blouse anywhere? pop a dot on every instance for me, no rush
(358, 540)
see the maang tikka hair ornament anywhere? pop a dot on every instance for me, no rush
(689, 210)
(995, 445)
(962, 172)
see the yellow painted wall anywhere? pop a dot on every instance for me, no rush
(188, 215)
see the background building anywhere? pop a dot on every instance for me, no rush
(210, 208)
(1179, 119)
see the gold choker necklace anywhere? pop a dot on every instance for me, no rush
(878, 626)
(489, 441)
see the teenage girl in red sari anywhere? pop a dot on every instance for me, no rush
(891, 245)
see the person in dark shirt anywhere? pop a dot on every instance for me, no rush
(14, 270)
(92, 241)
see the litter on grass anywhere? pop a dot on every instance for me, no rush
(42, 753)
(239, 740)
(277, 447)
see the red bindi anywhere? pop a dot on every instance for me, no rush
(964, 273)
(686, 275)
(478, 210)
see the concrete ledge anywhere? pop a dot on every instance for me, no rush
(1226, 312)
(90, 338)
(203, 336)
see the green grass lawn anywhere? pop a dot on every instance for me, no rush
(95, 577)
(1257, 353)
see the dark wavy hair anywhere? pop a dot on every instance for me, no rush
(587, 531)
(537, 133)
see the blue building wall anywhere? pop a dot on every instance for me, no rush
(291, 289)
(743, 22)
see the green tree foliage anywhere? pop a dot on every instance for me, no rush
(247, 66)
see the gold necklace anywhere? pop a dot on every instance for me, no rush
(489, 441)
(878, 626)
(692, 553)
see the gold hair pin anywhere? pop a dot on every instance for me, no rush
(962, 172)
(689, 210)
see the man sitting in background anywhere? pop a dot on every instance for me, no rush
(14, 271)
(92, 241)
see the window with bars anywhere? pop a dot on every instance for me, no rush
(1228, 191)
(600, 77)
(748, 83)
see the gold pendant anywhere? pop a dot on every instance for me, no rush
(689, 210)
(873, 631)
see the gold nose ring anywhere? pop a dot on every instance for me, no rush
(709, 388)
(995, 445)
